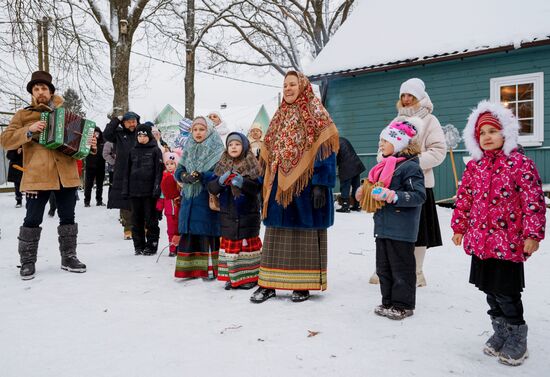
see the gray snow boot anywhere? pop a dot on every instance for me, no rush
(496, 341)
(67, 246)
(28, 248)
(514, 351)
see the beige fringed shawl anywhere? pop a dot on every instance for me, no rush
(297, 132)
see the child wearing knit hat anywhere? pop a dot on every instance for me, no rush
(141, 186)
(170, 199)
(500, 217)
(395, 192)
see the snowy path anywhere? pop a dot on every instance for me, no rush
(127, 316)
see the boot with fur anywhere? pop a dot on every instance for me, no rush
(514, 351)
(67, 247)
(496, 341)
(28, 249)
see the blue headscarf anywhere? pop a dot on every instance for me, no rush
(201, 156)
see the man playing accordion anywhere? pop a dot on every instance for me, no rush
(45, 171)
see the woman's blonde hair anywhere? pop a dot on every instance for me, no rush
(413, 148)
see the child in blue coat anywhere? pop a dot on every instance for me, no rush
(395, 192)
(199, 225)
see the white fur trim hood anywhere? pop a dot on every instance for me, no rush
(510, 128)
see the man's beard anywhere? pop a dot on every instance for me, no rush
(41, 100)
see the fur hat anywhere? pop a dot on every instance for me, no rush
(144, 129)
(175, 156)
(508, 122)
(40, 77)
(413, 86)
(399, 133)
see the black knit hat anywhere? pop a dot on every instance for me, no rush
(144, 128)
(40, 77)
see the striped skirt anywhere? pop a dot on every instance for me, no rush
(294, 259)
(240, 260)
(197, 256)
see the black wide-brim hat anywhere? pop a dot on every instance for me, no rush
(40, 77)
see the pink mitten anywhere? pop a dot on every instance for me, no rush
(390, 196)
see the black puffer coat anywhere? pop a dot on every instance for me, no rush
(144, 172)
(123, 140)
(349, 164)
(239, 216)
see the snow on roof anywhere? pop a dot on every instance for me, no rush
(380, 33)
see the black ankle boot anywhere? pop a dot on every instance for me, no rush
(299, 296)
(261, 295)
(345, 206)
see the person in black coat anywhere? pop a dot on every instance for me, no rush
(15, 172)
(122, 133)
(142, 186)
(237, 183)
(95, 171)
(350, 168)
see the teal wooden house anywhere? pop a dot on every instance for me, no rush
(464, 52)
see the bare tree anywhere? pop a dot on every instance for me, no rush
(275, 32)
(193, 20)
(75, 45)
(71, 51)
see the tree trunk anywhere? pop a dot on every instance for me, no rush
(120, 67)
(190, 61)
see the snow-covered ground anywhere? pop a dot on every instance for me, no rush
(127, 316)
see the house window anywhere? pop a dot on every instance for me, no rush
(524, 95)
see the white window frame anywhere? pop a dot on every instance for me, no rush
(537, 79)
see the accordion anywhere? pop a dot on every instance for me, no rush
(67, 132)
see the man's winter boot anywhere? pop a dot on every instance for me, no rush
(67, 247)
(28, 248)
(151, 247)
(345, 206)
(496, 341)
(514, 351)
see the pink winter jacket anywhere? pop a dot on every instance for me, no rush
(500, 203)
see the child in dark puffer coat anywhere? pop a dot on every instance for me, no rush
(142, 186)
(500, 215)
(395, 192)
(170, 200)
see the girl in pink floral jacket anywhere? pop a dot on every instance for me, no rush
(500, 215)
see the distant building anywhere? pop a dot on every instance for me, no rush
(168, 123)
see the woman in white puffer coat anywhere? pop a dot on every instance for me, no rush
(415, 102)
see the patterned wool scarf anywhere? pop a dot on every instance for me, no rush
(246, 165)
(297, 132)
(201, 156)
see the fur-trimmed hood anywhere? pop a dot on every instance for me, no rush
(510, 128)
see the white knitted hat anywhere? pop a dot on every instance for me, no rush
(413, 86)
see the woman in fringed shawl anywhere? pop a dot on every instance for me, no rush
(299, 157)
(238, 185)
(198, 226)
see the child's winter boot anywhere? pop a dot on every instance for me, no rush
(496, 341)
(514, 351)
